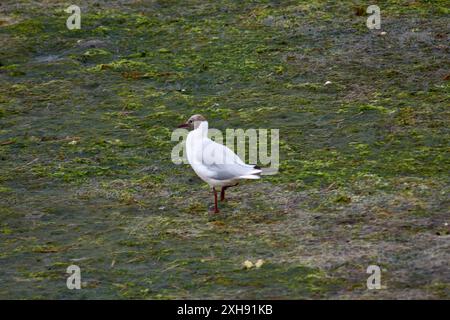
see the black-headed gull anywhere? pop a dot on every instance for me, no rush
(214, 163)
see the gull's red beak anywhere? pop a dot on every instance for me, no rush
(184, 125)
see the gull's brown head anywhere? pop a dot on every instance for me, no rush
(193, 122)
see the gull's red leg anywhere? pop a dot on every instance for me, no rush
(216, 209)
(222, 192)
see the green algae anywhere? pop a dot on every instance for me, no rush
(86, 178)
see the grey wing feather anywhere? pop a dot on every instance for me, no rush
(228, 171)
(224, 164)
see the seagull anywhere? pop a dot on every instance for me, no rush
(214, 163)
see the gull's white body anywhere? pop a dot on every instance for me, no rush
(214, 163)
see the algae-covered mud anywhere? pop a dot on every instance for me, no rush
(86, 176)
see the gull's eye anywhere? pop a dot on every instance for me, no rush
(190, 121)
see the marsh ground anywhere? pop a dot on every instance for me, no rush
(85, 172)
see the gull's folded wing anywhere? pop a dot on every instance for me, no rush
(220, 163)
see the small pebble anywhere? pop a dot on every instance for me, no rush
(259, 263)
(248, 264)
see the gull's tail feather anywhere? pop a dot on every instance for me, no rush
(257, 170)
(253, 174)
(249, 176)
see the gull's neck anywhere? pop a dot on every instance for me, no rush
(202, 129)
